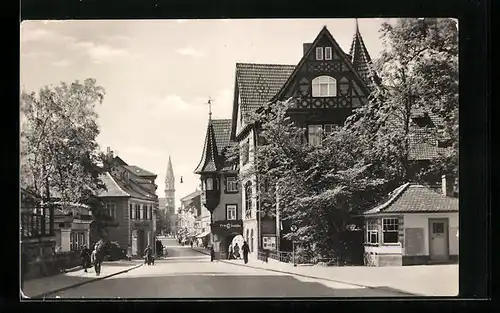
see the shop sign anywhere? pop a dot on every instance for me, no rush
(228, 226)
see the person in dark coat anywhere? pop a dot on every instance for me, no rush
(245, 250)
(148, 255)
(212, 254)
(85, 257)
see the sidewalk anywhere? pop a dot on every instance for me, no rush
(423, 280)
(42, 287)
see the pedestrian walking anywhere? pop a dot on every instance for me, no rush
(245, 251)
(85, 257)
(236, 251)
(230, 255)
(191, 243)
(148, 256)
(94, 261)
(212, 254)
(129, 253)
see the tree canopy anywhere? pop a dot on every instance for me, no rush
(58, 148)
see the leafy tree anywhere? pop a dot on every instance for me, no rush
(419, 73)
(316, 191)
(58, 147)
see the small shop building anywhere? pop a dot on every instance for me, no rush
(416, 225)
(72, 226)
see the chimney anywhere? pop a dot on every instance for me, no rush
(447, 185)
(306, 47)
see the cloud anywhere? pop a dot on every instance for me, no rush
(172, 101)
(39, 34)
(100, 53)
(35, 54)
(191, 52)
(115, 38)
(61, 63)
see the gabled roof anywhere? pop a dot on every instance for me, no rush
(335, 46)
(113, 188)
(361, 60)
(139, 171)
(414, 198)
(191, 195)
(258, 84)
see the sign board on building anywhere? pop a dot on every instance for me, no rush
(269, 242)
(293, 228)
(228, 226)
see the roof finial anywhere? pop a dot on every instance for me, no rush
(209, 109)
(357, 27)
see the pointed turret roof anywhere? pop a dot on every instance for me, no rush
(170, 171)
(210, 153)
(361, 60)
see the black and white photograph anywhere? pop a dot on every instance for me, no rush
(239, 158)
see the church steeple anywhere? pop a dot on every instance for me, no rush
(361, 60)
(170, 187)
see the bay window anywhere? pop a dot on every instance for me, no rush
(248, 200)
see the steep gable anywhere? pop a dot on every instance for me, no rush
(351, 89)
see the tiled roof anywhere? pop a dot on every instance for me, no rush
(413, 198)
(423, 140)
(117, 187)
(222, 131)
(361, 60)
(139, 171)
(210, 153)
(259, 83)
(113, 188)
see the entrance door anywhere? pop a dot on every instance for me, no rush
(438, 239)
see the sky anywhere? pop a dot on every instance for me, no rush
(159, 74)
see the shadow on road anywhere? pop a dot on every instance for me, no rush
(219, 286)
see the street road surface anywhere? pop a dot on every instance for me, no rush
(189, 274)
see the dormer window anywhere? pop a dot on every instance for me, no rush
(324, 86)
(328, 53)
(319, 53)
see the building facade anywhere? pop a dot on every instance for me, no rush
(323, 88)
(221, 192)
(131, 202)
(415, 226)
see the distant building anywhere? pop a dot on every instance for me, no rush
(131, 202)
(169, 207)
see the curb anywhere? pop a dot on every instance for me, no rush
(45, 294)
(316, 277)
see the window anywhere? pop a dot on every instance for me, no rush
(138, 211)
(390, 230)
(245, 152)
(248, 200)
(231, 211)
(132, 212)
(319, 53)
(324, 86)
(372, 231)
(76, 240)
(438, 228)
(251, 240)
(231, 184)
(314, 134)
(328, 53)
(317, 132)
(111, 208)
(210, 184)
(150, 212)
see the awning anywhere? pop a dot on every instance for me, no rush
(203, 234)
